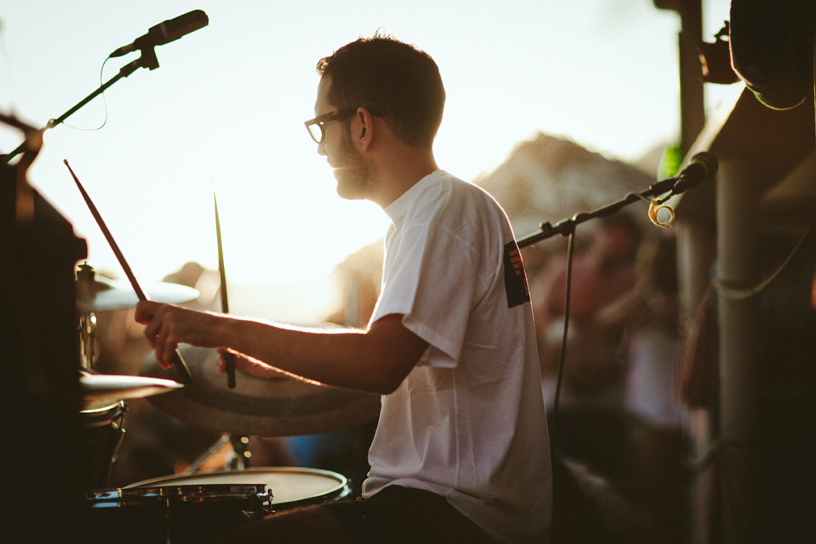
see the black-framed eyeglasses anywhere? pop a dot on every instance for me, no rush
(315, 126)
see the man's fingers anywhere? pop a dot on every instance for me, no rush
(165, 326)
(151, 332)
(168, 354)
(166, 346)
(145, 310)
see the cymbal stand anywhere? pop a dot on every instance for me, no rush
(87, 320)
(103, 426)
(87, 332)
(201, 459)
(237, 460)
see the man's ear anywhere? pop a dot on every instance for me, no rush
(365, 134)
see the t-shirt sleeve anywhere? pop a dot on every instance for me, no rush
(430, 278)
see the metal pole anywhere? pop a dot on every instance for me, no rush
(738, 236)
(695, 257)
(692, 95)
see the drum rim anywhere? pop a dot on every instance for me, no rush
(197, 491)
(107, 408)
(104, 415)
(342, 480)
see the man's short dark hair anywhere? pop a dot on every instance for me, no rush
(394, 80)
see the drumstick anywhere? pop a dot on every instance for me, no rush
(229, 358)
(178, 362)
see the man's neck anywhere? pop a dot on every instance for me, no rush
(400, 171)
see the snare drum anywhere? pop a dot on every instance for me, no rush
(183, 509)
(288, 487)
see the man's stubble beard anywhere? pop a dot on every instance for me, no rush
(355, 179)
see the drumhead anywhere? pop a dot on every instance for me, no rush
(288, 486)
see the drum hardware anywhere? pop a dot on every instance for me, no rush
(239, 459)
(87, 336)
(156, 512)
(87, 321)
(201, 459)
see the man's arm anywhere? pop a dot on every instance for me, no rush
(376, 360)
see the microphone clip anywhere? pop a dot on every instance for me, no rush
(654, 209)
(148, 59)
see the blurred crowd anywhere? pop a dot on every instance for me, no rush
(619, 413)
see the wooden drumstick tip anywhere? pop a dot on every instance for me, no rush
(184, 371)
(229, 359)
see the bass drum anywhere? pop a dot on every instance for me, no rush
(183, 509)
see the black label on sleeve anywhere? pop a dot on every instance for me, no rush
(515, 280)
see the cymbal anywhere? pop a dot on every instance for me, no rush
(108, 295)
(104, 389)
(257, 406)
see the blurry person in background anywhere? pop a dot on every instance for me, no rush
(591, 422)
(651, 313)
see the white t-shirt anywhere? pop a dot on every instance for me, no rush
(468, 422)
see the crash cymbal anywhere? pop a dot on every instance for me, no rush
(107, 295)
(257, 406)
(104, 389)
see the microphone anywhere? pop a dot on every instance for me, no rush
(702, 166)
(166, 32)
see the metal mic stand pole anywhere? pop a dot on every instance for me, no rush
(147, 60)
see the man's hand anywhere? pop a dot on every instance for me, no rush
(169, 325)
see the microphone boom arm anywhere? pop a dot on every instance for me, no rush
(673, 186)
(147, 60)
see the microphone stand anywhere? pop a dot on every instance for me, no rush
(147, 60)
(566, 227)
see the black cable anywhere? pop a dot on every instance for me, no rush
(553, 430)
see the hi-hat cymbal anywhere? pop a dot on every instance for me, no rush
(104, 389)
(257, 406)
(108, 295)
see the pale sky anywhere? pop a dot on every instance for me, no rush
(225, 111)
